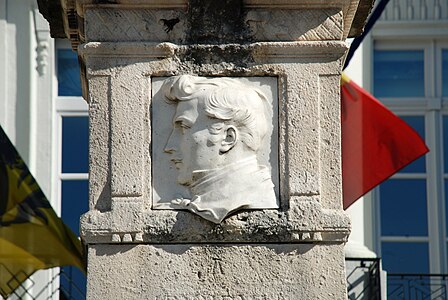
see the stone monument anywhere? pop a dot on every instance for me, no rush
(215, 161)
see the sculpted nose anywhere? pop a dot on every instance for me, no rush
(170, 145)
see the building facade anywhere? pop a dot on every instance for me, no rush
(403, 62)
(44, 115)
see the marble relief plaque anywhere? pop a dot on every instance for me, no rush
(214, 144)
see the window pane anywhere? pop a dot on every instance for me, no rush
(418, 123)
(445, 72)
(398, 73)
(75, 195)
(75, 148)
(73, 284)
(446, 205)
(403, 207)
(69, 78)
(405, 257)
(445, 143)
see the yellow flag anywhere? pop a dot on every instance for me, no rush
(32, 236)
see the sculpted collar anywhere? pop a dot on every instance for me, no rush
(218, 192)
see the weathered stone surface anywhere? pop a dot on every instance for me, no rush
(305, 221)
(256, 271)
(295, 24)
(99, 114)
(206, 19)
(308, 113)
(217, 22)
(330, 163)
(128, 113)
(109, 24)
(203, 24)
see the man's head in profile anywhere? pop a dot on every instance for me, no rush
(218, 127)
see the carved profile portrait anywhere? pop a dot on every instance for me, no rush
(215, 136)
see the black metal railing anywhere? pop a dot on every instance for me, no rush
(68, 283)
(363, 278)
(417, 286)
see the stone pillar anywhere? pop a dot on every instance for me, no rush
(238, 215)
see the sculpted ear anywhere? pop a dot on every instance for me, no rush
(230, 139)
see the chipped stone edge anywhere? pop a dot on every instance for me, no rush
(299, 49)
(303, 223)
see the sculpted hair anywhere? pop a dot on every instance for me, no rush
(227, 100)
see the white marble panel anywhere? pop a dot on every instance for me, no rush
(168, 182)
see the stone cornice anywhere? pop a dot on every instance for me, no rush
(259, 50)
(307, 222)
(71, 13)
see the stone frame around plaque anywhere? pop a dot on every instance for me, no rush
(124, 189)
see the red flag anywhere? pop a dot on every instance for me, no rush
(375, 142)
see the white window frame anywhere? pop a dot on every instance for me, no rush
(64, 106)
(432, 107)
(442, 45)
